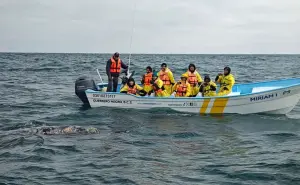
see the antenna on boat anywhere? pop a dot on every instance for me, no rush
(133, 21)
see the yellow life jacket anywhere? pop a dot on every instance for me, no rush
(225, 82)
(207, 91)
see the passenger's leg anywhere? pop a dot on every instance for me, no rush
(109, 86)
(168, 89)
(223, 93)
(115, 83)
(148, 89)
(212, 93)
(165, 94)
(196, 91)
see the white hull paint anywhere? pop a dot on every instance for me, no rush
(276, 101)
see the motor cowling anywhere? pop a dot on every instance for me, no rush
(81, 85)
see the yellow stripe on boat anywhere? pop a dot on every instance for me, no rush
(204, 106)
(219, 106)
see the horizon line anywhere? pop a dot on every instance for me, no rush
(125, 53)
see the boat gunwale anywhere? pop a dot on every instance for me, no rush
(90, 91)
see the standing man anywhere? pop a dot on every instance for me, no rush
(113, 69)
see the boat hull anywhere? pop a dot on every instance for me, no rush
(278, 101)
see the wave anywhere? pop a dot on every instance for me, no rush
(156, 146)
(282, 136)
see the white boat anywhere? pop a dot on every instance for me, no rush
(270, 97)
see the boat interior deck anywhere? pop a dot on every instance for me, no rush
(247, 88)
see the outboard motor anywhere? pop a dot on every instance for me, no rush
(82, 84)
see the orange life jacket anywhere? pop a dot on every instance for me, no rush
(158, 91)
(132, 90)
(192, 78)
(147, 78)
(181, 89)
(115, 67)
(165, 77)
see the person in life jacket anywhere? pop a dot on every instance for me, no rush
(146, 80)
(226, 82)
(208, 88)
(183, 88)
(113, 69)
(194, 78)
(166, 75)
(158, 86)
(132, 88)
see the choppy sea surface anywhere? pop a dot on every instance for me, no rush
(140, 146)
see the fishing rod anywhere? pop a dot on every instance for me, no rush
(132, 31)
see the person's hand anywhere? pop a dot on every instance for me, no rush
(220, 74)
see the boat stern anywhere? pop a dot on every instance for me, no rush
(81, 85)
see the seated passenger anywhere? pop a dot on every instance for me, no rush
(166, 75)
(132, 88)
(208, 88)
(226, 81)
(194, 79)
(146, 80)
(182, 88)
(158, 86)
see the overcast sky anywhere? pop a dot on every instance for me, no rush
(161, 26)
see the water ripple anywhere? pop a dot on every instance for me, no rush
(157, 146)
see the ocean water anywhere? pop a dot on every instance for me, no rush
(140, 146)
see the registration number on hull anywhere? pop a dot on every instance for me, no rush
(104, 95)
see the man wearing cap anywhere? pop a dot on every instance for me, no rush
(113, 69)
